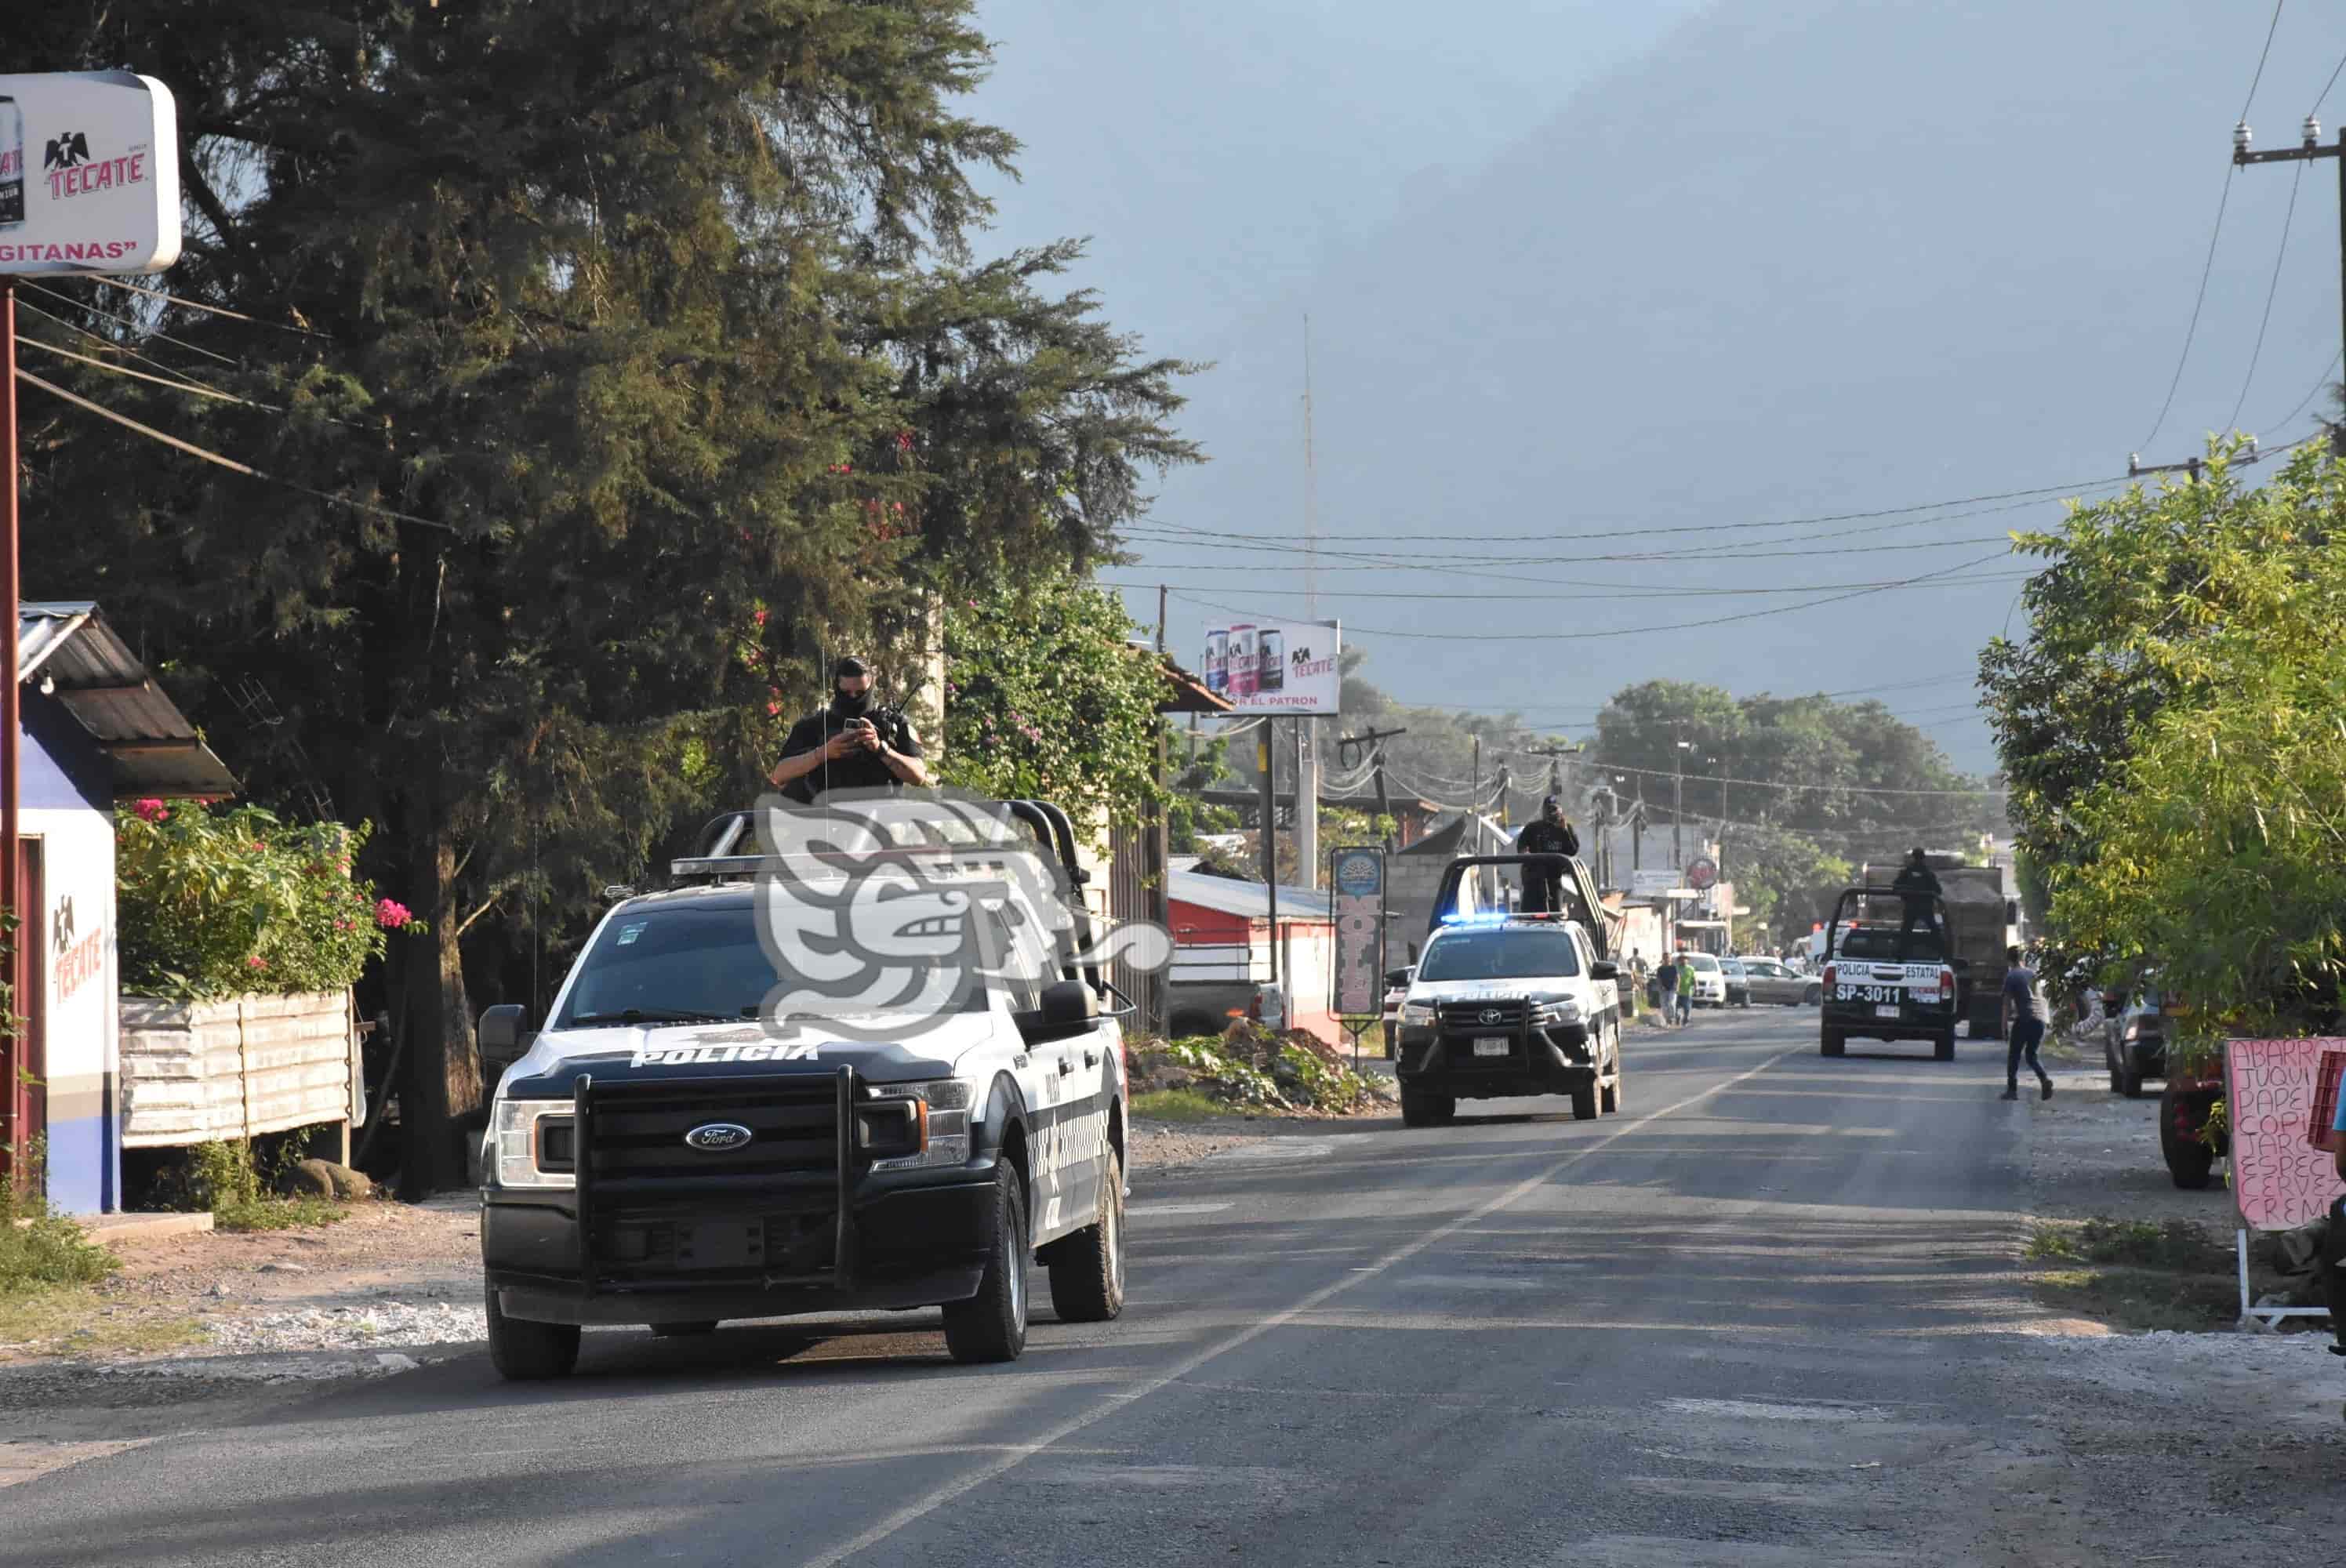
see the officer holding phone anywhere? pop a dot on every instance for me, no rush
(849, 745)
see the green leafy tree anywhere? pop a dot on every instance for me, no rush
(2213, 839)
(613, 361)
(1047, 697)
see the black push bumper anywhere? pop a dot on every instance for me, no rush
(1438, 1060)
(794, 1219)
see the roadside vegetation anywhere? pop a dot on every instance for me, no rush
(1248, 1071)
(49, 1271)
(2135, 1275)
(240, 1188)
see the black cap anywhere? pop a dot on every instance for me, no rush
(849, 666)
(1551, 800)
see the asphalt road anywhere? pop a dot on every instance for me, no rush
(1752, 1319)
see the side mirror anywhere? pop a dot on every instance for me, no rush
(500, 1037)
(1604, 969)
(1068, 1009)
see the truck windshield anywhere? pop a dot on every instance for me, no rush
(1499, 955)
(679, 965)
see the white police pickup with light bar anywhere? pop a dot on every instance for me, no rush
(1886, 975)
(1506, 1005)
(668, 1151)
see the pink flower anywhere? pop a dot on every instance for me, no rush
(391, 914)
(773, 710)
(904, 441)
(258, 846)
(256, 961)
(151, 810)
(342, 922)
(757, 619)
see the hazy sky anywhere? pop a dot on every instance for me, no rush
(1587, 272)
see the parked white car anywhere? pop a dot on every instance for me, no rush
(1709, 980)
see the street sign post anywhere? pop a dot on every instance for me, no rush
(1356, 883)
(106, 200)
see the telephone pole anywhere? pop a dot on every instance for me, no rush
(1373, 738)
(1678, 804)
(2307, 150)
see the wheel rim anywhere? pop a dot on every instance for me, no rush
(1014, 1260)
(1112, 1232)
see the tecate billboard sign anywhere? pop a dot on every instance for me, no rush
(89, 173)
(1274, 667)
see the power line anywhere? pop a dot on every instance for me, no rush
(2215, 232)
(143, 331)
(1677, 555)
(2327, 85)
(1622, 593)
(1628, 631)
(230, 464)
(2039, 493)
(2318, 387)
(114, 348)
(112, 281)
(2272, 289)
(1822, 788)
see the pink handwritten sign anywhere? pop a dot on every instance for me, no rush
(2281, 1177)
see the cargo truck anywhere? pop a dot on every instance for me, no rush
(1982, 913)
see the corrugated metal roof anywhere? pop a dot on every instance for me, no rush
(68, 648)
(1230, 896)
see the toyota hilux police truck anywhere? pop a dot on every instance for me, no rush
(675, 1147)
(1505, 1004)
(1887, 973)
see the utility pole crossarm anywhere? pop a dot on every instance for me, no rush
(2309, 148)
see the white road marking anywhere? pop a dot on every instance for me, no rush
(912, 1512)
(1747, 1409)
(1174, 1208)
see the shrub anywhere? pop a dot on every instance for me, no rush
(226, 1179)
(38, 1249)
(220, 903)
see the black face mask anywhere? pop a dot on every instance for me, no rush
(847, 706)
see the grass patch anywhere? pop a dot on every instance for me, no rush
(2134, 1275)
(266, 1212)
(39, 1251)
(1178, 1105)
(71, 1320)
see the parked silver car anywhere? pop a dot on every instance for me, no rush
(1769, 980)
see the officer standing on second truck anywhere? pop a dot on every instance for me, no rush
(1550, 835)
(849, 745)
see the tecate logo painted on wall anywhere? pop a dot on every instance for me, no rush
(105, 197)
(719, 1137)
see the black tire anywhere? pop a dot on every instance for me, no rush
(1421, 1109)
(1943, 1049)
(2117, 1073)
(1087, 1268)
(1584, 1103)
(2129, 1076)
(1610, 1097)
(991, 1325)
(2188, 1162)
(1833, 1043)
(1814, 996)
(683, 1330)
(526, 1352)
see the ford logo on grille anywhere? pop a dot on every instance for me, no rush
(717, 1137)
(1491, 1014)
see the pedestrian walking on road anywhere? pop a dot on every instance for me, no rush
(2026, 1014)
(1686, 990)
(1666, 988)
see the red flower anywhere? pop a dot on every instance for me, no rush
(151, 810)
(390, 915)
(904, 441)
(757, 619)
(256, 961)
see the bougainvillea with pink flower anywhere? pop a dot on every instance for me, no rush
(214, 903)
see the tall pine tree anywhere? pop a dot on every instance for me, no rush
(608, 361)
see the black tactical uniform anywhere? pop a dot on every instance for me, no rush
(1550, 835)
(859, 770)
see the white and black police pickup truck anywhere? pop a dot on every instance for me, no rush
(1887, 972)
(674, 1148)
(1506, 1005)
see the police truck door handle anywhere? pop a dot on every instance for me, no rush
(1091, 1059)
(1066, 1065)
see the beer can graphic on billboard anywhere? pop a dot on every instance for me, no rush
(1270, 660)
(1242, 686)
(12, 164)
(1218, 660)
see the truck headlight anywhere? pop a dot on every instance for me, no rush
(945, 1106)
(1416, 1012)
(1565, 1010)
(532, 1143)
